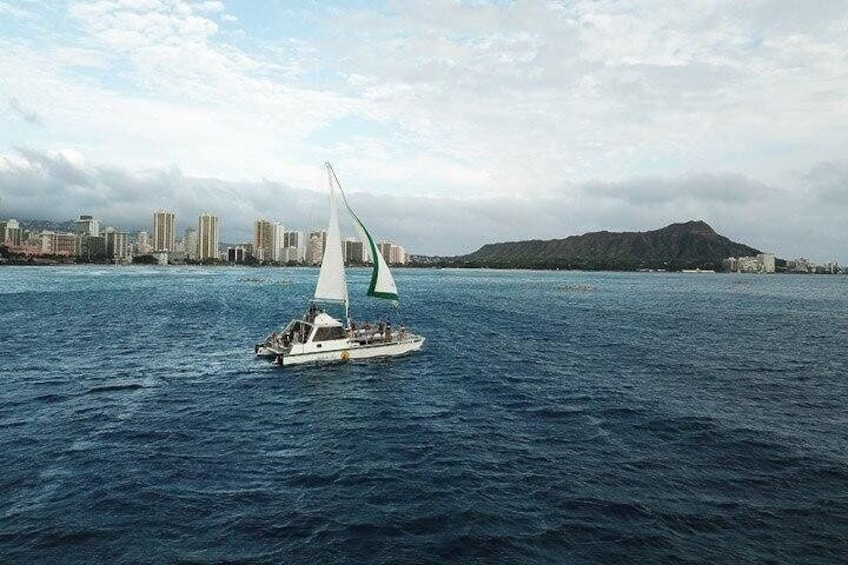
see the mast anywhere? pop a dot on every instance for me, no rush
(330, 176)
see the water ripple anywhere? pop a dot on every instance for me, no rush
(657, 419)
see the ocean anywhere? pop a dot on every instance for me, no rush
(551, 417)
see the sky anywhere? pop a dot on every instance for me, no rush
(450, 123)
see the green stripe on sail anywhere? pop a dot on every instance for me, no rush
(375, 271)
(386, 295)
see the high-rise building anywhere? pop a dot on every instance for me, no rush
(237, 254)
(143, 244)
(354, 252)
(392, 254)
(292, 239)
(207, 236)
(87, 225)
(315, 247)
(10, 232)
(384, 248)
(747, 265)
(801, 265)
(294, 247)
(766, 263)
(163, 231)
(57, 243)
(31, 238)
(267, 240)
(89, 247)
(117, 245)
(190, 243)
(398, 255)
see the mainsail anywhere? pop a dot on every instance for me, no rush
(382, 283)
(332, 286)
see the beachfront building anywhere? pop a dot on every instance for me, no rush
(315, 247)
(117, 245)
(11, 233)
(294, 247)
(54, 243)
(267, 240)
(207, 237)
(164, 234)
(87, 225)
(354, 252)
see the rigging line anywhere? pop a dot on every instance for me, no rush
(372, 244)
(344, 196)
(332, 174)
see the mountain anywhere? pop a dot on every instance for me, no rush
(43, 225)
(684, 245)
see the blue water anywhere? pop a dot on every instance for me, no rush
(551, 418)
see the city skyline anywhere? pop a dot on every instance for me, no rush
(271, 243)
(452, 127)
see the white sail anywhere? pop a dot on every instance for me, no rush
(332, 286)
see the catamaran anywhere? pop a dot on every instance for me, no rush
(319, 337)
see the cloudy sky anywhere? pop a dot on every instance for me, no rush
(450, 123)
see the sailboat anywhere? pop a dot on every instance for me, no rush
(319, 337)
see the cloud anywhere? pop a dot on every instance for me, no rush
(828, 182)
(601, 89)
(14, 11)
(692, 189)
(527, 93)
(62, 184)
(457, 122)
(28, 116)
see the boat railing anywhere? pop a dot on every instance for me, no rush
(374, 336)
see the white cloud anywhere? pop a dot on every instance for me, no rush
(763, 216)
(26, 114)
(476, 101)
(14, 11)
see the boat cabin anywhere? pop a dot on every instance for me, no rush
(323, 327)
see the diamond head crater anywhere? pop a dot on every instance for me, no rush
(685, 245)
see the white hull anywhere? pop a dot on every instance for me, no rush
(340, 350)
